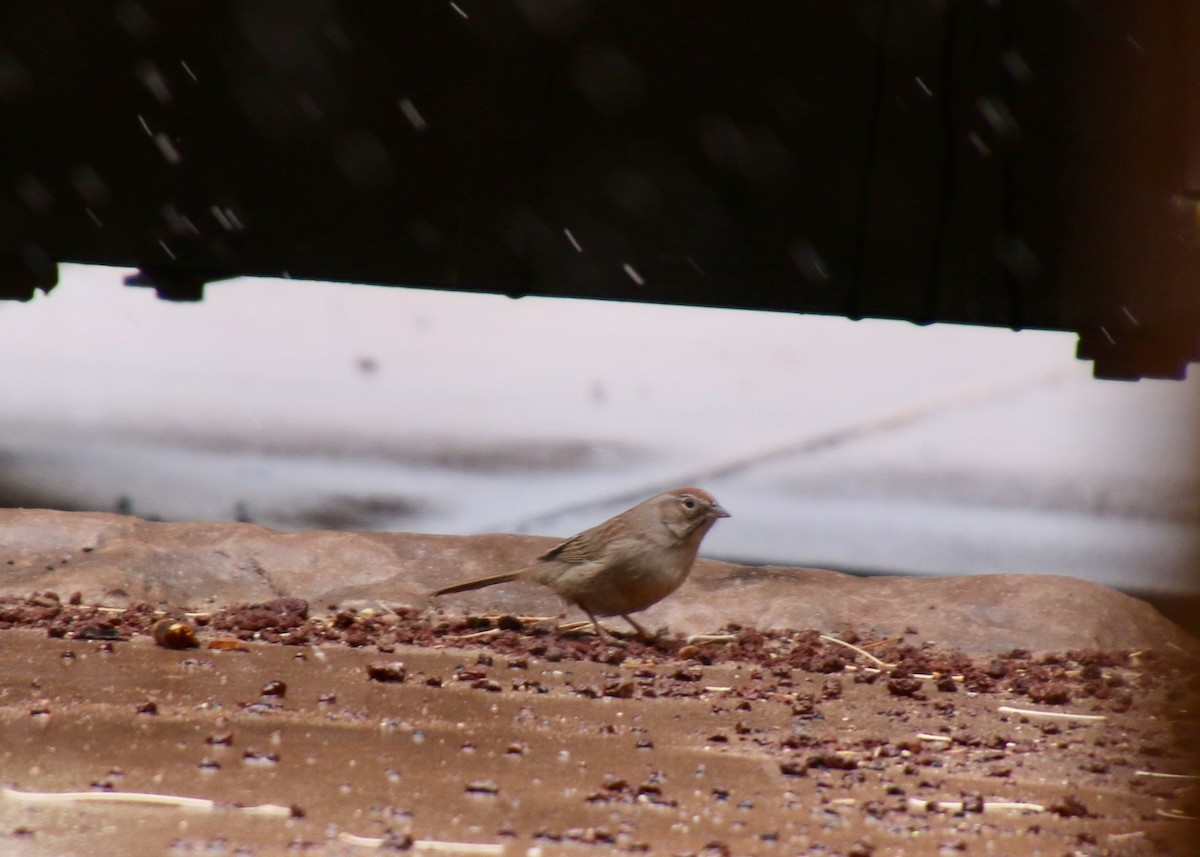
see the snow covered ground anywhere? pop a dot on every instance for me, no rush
(866, 445)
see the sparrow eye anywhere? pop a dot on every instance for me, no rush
(688, 503)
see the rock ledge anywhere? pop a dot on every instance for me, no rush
(113, 559)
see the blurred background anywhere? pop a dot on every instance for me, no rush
(869, 446)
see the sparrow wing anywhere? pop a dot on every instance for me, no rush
(573, 550)
(578, 549)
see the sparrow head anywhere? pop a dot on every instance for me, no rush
(689, 510)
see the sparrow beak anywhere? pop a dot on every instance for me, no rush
(718, 512)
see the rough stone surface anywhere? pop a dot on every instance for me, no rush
(115, 559)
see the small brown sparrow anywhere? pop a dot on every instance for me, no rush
(626, 564)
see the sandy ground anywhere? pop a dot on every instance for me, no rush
(530, 742)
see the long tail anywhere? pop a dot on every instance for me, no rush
(479, 583)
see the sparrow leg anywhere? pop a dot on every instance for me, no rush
(641, 632)
(600, 631)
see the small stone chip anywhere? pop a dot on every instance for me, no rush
(946, 684)
(227, 644)
(1070, 807)
(173, 634)
(904, 686)
(393, 671)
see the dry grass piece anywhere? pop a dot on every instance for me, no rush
(1125, 837)
(141, 799)
(1174, 814)
(1061, 715)
(426, 845)
(916, 804)
(881, 664)
(177, 801)
(478, 635)
(882, 642)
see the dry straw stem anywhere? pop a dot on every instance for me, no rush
(881, 664)
(524, 620)
(1166, 776)
(882, 641)
(206, 805)
(1174, 814)
(158, 614)
(426, 845)
(478, 635)
(565, 628)
(1177, 648)
(916, 804)
(1061, 715)
(1125, 837)
(140, 798)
